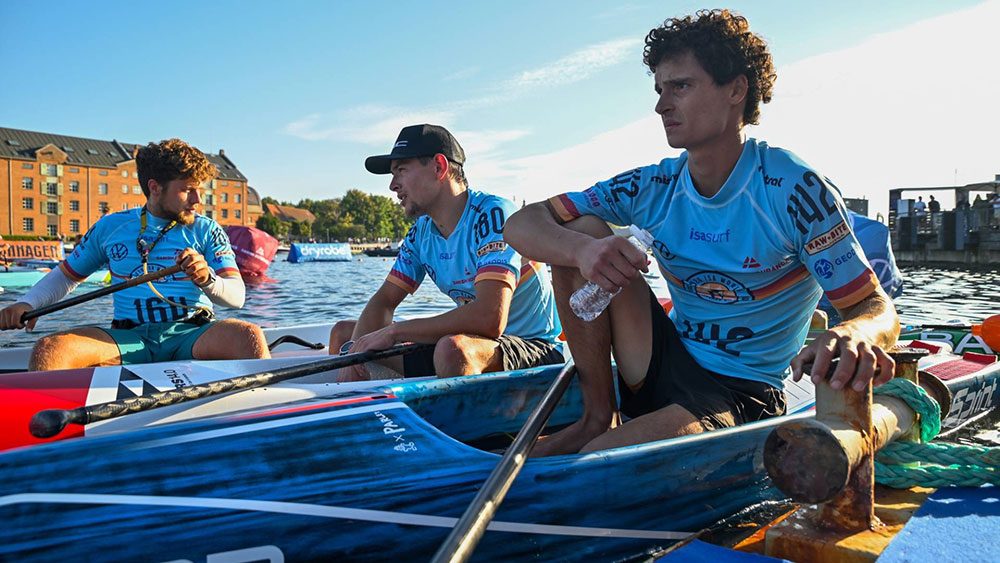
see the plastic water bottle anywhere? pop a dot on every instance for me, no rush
(591, 300)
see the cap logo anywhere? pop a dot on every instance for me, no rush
(400, 144)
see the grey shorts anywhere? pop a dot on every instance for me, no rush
(517, 353)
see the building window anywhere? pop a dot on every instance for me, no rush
(124, 189)
(124, 173)
(50, 169)
(225, 214)
(28, 166)
(27, 203)
(51, 207)
(28, 224)
(124, 207)
(74, 187)
(103, 207)
(74, 205)
(52, 230)
(102, 189)
(238, 213)
(209, 214)
(239, 198)
(136, 190)
(51, 188)
(74, 169)
(225, 198)
(28, 184)
(136, 205)
(210, 199)
(102, 173)
(74, 225)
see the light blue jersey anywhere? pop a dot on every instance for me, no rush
(476, 251)
(113, 241)
(745, 267)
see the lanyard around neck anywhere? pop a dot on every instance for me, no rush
(142, 246)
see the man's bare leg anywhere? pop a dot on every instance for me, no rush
(463, 354)
(231, 339)
(77, 348)
(626, 323)
(668, 422)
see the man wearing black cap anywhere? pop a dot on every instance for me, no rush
(506, 316)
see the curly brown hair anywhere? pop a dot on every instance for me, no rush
(723, 44)
(170, 160)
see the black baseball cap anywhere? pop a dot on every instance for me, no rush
(415, 141)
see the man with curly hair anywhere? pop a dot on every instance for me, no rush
(170, 319)
(747, 236)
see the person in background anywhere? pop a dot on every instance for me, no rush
(934, 205)
(171, 320)
(506, 317)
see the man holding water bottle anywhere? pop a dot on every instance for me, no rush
(747, 236)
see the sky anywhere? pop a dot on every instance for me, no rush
(545, 97)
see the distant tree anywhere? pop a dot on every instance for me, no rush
(300, 230)
(272, 226)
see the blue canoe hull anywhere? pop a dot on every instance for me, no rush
(372, 476)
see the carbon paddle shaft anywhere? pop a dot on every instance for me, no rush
(472, 525)
(152, 276)
(48, 423)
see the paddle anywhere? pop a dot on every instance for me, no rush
(151, 276)
(48, 423)
(472, 525)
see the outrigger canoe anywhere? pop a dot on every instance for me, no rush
(384, 473)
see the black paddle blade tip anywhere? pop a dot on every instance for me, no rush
(48, 423)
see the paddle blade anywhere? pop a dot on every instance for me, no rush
(989, 331)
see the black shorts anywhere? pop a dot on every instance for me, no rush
(516, 352)
(674, 377)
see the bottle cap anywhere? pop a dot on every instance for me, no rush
(642, 236)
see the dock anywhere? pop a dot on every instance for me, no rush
(967, 236)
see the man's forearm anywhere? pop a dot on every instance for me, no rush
(473, 319)
(375, 315)
(536, 235)
(874, 319)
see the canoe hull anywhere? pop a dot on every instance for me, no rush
(367, 475)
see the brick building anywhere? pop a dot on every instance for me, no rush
(55, 184)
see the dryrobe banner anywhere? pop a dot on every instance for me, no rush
(320, 252)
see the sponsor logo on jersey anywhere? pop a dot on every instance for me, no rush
(717, 288)
(784, 262)
(495, 246)
(750, 262)
(823, 268)
(828, 239)
(592, 199)
(446, 256)
(661, 248)
(771, 181)
(118, 252)
(845, 257)
(709, 237)
(460, 296)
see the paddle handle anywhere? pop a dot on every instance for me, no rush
(151, 276)
(472, 525)
(48, 423)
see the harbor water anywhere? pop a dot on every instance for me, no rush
(324, 292)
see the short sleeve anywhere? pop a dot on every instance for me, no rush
(612, 200)
(495, 259)
(825, 242)
(408, 271)
(219, 253)
(88, 255)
